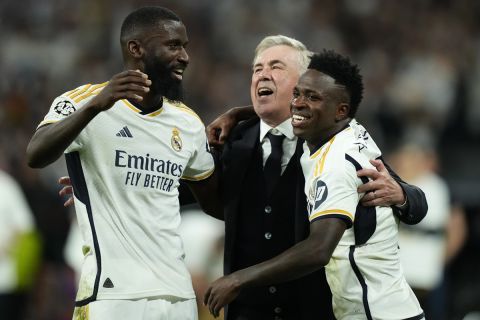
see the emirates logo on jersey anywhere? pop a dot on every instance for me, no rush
(176, 141)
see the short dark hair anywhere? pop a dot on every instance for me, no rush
(343, 71)
(145, 17)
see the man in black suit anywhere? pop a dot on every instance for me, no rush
(265, 208)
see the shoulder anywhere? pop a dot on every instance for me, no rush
(186, 113)
(243, 127)
(78, 95)
(69, 101)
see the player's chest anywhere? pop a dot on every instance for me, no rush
(129, 142)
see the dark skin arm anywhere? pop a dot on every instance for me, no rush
(219, 130)
(206, 193)
(303, 258)
(50, 141)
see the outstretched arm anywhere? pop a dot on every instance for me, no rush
(386, 188)
(303, 258)
(220, 128)
(50, 141)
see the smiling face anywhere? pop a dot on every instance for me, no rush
(319, 108)
(275, 72)
(165, 58)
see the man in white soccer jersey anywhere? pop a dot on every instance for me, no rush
(127, 143)
(357, 245)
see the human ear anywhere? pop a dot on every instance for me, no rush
(342, 111)
(135, 49)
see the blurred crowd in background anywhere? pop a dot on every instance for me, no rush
(421, 65)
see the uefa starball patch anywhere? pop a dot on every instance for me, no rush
(176, 141)
(64, 108)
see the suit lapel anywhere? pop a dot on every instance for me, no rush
(241, 154)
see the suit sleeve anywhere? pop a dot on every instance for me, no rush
(416, 207)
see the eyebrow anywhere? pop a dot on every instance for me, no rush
(270, 63)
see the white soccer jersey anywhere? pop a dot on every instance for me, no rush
(125, 168)
(364, 273)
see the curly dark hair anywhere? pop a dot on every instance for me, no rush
(343, 71)
(145, 17)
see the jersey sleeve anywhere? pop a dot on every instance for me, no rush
(201, 164)
(61, 108)
(333, 194)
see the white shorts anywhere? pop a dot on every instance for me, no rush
(142, 309)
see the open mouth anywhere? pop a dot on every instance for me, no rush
(178, 74)
(262, 92)
(299, 120)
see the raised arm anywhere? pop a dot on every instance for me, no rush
(50, 141)
(220, 128)
(303, 258)
(386, 188)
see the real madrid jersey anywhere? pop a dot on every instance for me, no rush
(125, 168)
(364, 272)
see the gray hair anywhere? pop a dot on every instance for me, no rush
(281, 40)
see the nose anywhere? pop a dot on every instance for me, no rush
(297, 102)
(183, 56)
(264, 74)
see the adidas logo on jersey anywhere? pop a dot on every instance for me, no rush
(124, 133)
(108, 283)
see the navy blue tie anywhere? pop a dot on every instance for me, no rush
(273, 167)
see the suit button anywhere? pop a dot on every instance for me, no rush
(277, 310)
(268, 235)
(268, 209)
(272, 289)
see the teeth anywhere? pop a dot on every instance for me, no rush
(264, 91)
(298, 118)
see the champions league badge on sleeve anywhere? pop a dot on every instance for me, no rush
(64, 108)
(317, 194)
(176, 140)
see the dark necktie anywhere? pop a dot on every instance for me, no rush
(273, 166)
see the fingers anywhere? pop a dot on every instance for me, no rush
(206, 296)
(213, 136)
(367, 187)
(211, 300)
(130, 84)
(69, 202)
(378, 164)
(224, 132)
(369, 173)
(66, 191)
(65, 180)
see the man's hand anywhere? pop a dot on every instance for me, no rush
(220, 293)
(67, 190)
(382, 189)
(219, 129)
(129, 84)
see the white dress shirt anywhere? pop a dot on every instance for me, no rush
(289, 143)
